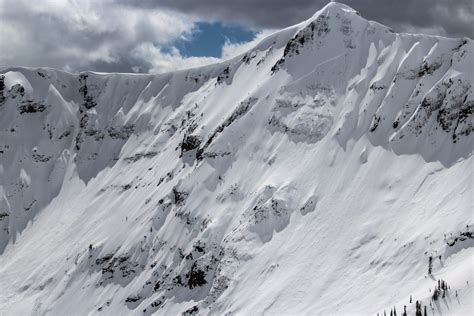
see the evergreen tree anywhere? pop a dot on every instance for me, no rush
(435, 294)
(418, 309)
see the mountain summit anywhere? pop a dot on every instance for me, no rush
(328, 170)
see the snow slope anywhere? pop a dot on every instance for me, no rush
(325, 171)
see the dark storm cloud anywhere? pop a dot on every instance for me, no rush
(453, 18)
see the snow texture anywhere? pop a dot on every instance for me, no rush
(328, 170)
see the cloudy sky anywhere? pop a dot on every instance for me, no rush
(163, 35)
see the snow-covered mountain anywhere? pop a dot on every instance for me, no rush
(328, 170)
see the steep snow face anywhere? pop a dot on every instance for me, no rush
(328, 170)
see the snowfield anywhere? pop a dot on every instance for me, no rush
(326, 171)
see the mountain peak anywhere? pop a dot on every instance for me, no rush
(246, 187)
(334, 8)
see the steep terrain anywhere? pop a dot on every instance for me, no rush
(327, 170)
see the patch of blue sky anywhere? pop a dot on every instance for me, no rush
(209, 38)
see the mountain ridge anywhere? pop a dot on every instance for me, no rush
(341, 7)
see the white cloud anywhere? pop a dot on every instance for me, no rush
(165, 62)
(230, 50)
(76, 35)
(173, 60)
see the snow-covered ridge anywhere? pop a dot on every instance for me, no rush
(333, 159)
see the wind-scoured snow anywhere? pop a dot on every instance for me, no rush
(328, 170)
